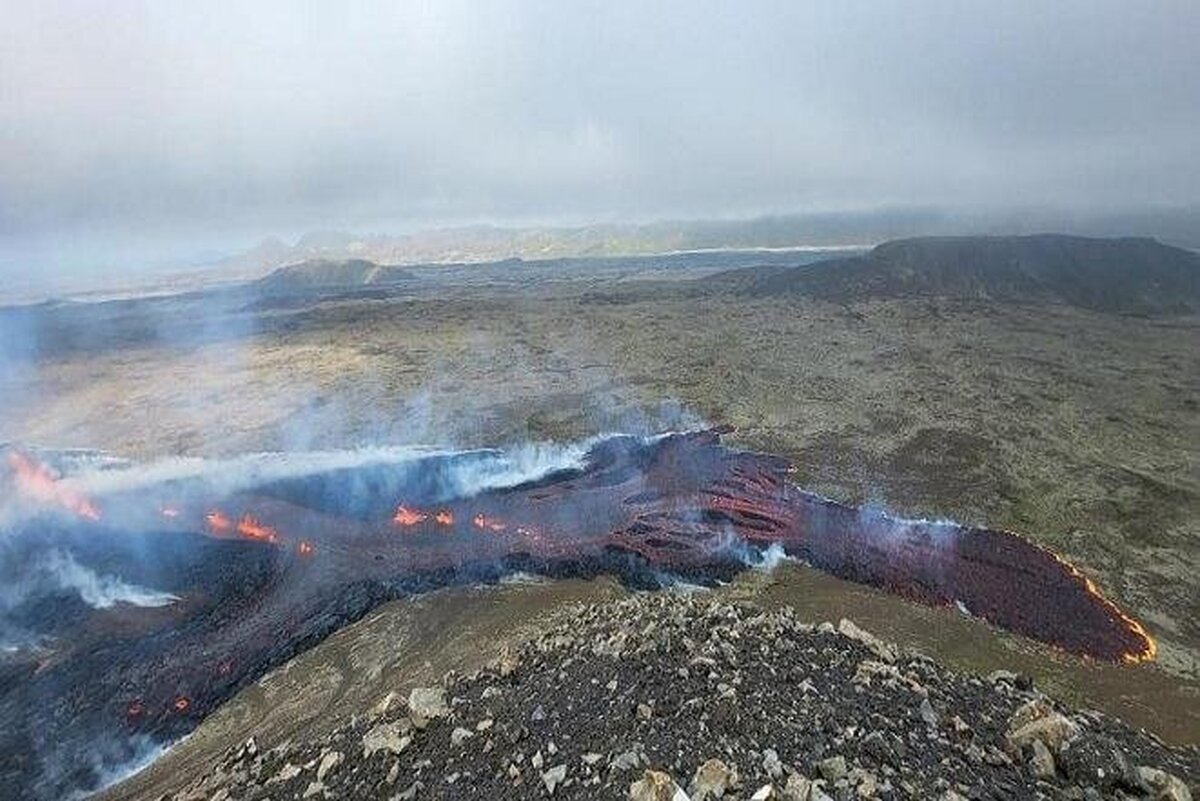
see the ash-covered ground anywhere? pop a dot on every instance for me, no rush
(677, 695)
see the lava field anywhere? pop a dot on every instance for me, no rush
(246, 578)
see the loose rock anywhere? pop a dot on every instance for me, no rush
(712, 779)
(758, 684)
(427, 703)
(329, 763)
(656, 786)
(554, 777)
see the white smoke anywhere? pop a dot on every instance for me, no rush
(97, 475)
(771, 558)
(517, 466)
(145, 751)
(224, 476)
(877, 511)
(497, 469)
(97, 591)
(731, 543)
(522, 578)
(669, 581)
(14, 641)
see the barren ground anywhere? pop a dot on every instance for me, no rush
(1080, 430)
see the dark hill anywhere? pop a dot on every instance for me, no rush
(333, 274)
(1133, 276)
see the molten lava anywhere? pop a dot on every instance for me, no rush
(408, 517)
(37, 482)
(444, 517)
(1149, 650)
(305, 548)
(250, 528)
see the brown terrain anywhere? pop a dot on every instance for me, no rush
(1074, 423)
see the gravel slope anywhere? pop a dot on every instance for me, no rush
(678, 696)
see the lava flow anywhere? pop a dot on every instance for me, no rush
(408, 517)
(318, 552)
(251, 529)
(40, 484)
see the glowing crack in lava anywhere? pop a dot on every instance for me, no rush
(300, 557)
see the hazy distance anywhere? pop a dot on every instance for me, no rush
(146, 135)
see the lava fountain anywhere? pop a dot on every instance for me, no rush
(265, 571)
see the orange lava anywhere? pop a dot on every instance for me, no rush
(182, 704)
(305, 548)
(38, 482)
(408, 517)
(250, 528)
(1149, 648)
(444, 518)
(218, 521)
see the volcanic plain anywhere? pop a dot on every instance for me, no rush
(1076, 427)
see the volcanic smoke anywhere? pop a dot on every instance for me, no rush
(268, 570)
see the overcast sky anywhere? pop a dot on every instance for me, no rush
(133, 128)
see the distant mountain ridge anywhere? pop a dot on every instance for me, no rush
(1129, 275)
(486, 244)
(333, 273)
(490, 243)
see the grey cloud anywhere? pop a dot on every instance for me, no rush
(122, 124)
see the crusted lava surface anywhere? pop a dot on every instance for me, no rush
(265, 572)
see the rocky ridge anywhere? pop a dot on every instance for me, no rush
(679, 697)
(332, 274)
(1124, 276)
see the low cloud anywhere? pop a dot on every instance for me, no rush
(134, 130)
